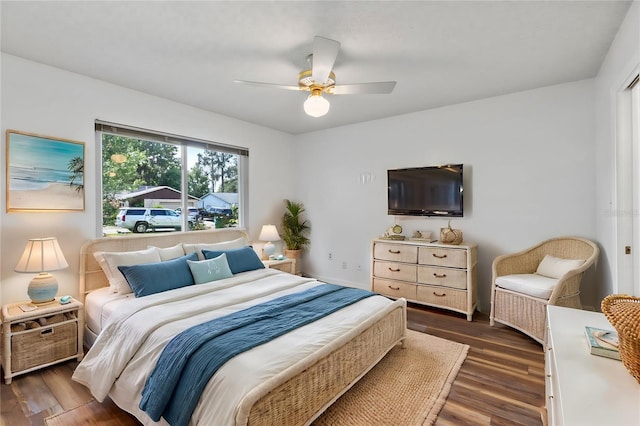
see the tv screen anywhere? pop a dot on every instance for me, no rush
(426, 191)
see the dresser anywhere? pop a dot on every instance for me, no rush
(440, 275)
(584, 389)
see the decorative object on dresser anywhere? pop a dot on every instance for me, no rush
(269, 233)
(42, 255)
(549, 273)
(623, 312)
(439, 275)
(582, 389)
(294, 231)
(449, 235)
(44, 336)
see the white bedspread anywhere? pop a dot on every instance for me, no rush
(128, 347)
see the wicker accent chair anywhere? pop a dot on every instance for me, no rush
(525, 312)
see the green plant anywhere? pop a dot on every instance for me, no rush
(294, 228)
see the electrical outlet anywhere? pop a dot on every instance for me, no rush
(344, 265)
(359, 268)
(330, 256)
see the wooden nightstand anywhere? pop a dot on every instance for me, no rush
(49, 334)
(286, 265)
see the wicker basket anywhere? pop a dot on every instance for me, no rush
(449, 235)
(623, 312)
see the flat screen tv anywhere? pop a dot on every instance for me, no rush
(426, 191)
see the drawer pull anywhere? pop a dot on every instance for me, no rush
(443, 256)
(394, 288)
(439, 276)
(439, 295)
(46, 332)
(394, 251)
(394, 270)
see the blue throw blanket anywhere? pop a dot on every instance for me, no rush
(191, 358)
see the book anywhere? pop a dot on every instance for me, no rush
(602, 342)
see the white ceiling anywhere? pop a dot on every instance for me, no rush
(439, 52)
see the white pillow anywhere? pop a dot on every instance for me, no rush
(555, 267)
(170, 253)
(109, 262)
(225, 245)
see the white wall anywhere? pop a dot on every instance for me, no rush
(622, 60)
(53, 102)
(529, 175)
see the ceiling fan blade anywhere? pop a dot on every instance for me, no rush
(325, 52)
(381, 87)
(268, 85)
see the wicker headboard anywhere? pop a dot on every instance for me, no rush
(91, 275)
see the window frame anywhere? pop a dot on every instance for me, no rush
(182, 142)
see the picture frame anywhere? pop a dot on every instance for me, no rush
(44, 173)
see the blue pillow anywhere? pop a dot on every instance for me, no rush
(151, 278)
(208, 270)
(240, 260)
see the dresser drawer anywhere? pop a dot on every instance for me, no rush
(395, 271)
(440, 256)
(395, 252)
(394, 288)
(443, 296)
(455, 278)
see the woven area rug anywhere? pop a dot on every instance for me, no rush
(408, 387)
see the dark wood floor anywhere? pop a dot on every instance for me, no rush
(500, 383)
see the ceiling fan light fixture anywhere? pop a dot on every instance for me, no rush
(316, 105)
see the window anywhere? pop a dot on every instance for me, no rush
(143, 168)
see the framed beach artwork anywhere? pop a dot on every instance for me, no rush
(44, 173)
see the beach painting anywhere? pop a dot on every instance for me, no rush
(44, 173)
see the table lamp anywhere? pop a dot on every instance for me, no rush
(42, 255)
(269, 233)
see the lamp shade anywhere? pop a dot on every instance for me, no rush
(316, 105)
(42, 255)
(269, 233)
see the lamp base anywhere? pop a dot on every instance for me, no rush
(268, 250)
(43, 289)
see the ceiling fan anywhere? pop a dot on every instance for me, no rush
(321, 79)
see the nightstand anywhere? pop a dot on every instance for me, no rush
(47, 335)
(286, 265)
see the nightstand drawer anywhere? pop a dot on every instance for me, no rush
(454, 278)
(43, 345)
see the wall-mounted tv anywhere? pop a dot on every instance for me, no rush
(426, 191)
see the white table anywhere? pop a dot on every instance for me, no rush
(584, 389)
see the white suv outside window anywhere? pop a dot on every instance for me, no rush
(140, 219)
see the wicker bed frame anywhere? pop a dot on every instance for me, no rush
(301, 393)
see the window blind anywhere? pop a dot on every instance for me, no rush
(155, 136)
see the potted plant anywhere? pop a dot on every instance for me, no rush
(294, 230)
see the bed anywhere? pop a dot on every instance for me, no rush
(290, 380)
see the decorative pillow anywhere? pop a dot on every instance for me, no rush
(169, 253)
(109, 262)
(555, 267)
(225, 245)
(215, 269)
(151, 278)
(240, 260)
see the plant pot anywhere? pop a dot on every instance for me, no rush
(294, 254)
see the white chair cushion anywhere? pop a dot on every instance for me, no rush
(555, 267)
(531, 284)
